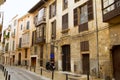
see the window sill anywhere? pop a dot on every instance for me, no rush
(65, 31)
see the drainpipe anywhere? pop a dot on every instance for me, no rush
(97, 44)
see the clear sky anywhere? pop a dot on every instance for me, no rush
(14, 7)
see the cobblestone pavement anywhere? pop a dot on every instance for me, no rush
(58, 75)
(1, 75)
(22, 74)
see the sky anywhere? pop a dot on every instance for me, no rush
(16, 7)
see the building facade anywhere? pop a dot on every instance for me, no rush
(23, 40)
(111, 15)
(80, 36)
(77, 39)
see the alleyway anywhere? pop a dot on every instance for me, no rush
(22, 74)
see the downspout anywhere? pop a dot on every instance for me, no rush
(97, 39)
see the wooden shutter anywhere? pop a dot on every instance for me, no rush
(53, 30)
(75, 16)
(49, 11)
(90, 10)
(32, 38)
(83, 27)
(64, 21)
(84, 46)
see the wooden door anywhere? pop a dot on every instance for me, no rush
(85, 63)
(33, 61)
(19, 59)
(66, 58)
(116, 62)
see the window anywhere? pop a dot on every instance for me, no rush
(14, 31)
(106, 3)
(84, 46)
(76, 0)
(65, 4)
(53, 35)
(21, 26)
(25, 53)
(13, 45)
(82, 15)
(41, 55)
(35, 50)
(28, 25)
(35, 20)
(52, 10)
(41, 14)
(20, 41)
(40, 31)
(65, 22)
(33, 37)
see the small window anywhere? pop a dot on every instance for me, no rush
(53, 30)
(84, 46)
(21, 26)
(65, 4)
(65, 21)
(28, 25)
(52, 10)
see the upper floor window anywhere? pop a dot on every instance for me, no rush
(65, 4)
(21, 27)
(28, 25)
(65, 21)
(53, 36)
(40, 31)
(41, 14)
(14, 31)
(52, 10)
(82, 15)
(76, 0)
(84, 46)
(107, 3)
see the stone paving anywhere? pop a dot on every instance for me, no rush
(1, 75)
(58, 75)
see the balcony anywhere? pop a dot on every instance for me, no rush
(25, 45)
(25, 30)
(40, 18)
(111, 13)
(40, 40)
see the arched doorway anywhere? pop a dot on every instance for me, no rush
(66, 66)
(116, 61)
(19, 59)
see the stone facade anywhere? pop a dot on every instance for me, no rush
(71, 49)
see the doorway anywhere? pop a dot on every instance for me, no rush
(116, 62)
(85, 63)
(19, 59)
(66, 58)
(33, 61)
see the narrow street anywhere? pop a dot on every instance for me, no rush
(22, 74)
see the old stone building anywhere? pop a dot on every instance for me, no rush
(23, 40)
(80, 36)
(111, 15)
(76, 38)
(8, 42)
